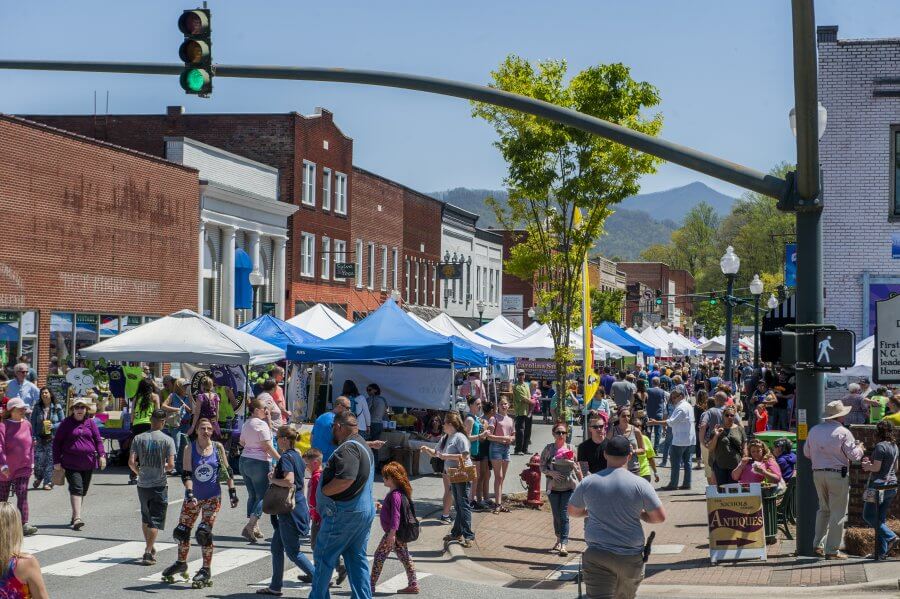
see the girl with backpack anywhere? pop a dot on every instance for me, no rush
(398, 520)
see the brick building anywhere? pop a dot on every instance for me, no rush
(860, 157)
(674, 284)
(100, 239)
(314, 161)
(422, 253)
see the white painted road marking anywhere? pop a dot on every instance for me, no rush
(223, 561)
(392, 585)
(100, 560)
(39, 543)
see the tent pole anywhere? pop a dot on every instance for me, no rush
(452, 385)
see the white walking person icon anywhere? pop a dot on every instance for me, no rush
(824, 346)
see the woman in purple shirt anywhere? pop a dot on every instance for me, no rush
(78, 449)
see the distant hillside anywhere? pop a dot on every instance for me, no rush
(673, 204)
(638, 222)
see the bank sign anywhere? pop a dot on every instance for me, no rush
(886, 361)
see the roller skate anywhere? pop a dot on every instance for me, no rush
(203, 578)
(176, 569)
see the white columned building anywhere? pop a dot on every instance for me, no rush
(241, 218)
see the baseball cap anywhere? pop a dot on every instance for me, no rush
(618, 446)
(158, 414)
(16, 402)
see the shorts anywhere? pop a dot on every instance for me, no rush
(484, 448)
(79, 481)
(499, 451)
(154, 503)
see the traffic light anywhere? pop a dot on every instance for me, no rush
(196, 52)
(658, 297)
(713, 299)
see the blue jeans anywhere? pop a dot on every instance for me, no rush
(559, 505)
(665, 446)
(256, 479)
(462, 524)
(286, 539)
(681, 457)
(875, 514)
(343, 533)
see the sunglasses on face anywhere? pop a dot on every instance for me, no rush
(559, 433)
(729, 415)
(80, 408)
(597, 427)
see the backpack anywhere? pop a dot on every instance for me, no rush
(408, 531)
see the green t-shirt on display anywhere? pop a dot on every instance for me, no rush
(876, 413)
(226, 410)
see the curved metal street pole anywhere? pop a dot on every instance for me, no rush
(672, 152)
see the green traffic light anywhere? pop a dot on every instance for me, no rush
(194, 80)
(713, 302)
(659, 301)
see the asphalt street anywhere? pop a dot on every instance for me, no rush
(103, 557)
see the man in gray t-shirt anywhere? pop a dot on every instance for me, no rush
(152, 456)
(615, 501)
(622, 391)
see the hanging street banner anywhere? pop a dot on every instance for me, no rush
(790, 265)
(886, 362)
(735, 518)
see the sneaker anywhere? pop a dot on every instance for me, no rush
(563, 552)
(36, 484)
(305, 578)
(445, 519)
(29, 530)
(465, 543)
(148, 559)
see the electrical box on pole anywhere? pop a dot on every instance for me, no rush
(196, 51)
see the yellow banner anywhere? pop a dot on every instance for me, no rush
(591, 380)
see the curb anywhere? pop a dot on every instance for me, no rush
(709, 591)
(481, 574)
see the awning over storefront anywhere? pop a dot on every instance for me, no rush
(243, 291)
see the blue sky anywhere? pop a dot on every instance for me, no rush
(723, 68)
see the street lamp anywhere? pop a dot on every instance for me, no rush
(772, 302)
(730, 264)
(756, 288)
(821, 121)
(479, 305)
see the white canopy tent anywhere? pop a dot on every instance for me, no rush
(500, 330)
(321, 321)
(539, 345)
(185, 336)
(660, 349)
(532, 328)
(864, 357)
(659, 339)
(425, 325)
(445, 325)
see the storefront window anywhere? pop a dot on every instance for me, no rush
(62, 337)
(109, 325)
(87, 330)
(9, 338)
(131, 322)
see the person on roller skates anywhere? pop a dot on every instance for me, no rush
(205, 467)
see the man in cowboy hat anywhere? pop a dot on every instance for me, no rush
(831, 447)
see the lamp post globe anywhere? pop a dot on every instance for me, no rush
(772, 302)
(756, 285)
(480, 305)
(821, 120)
(729, 263)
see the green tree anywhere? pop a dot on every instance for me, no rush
(607, 305)
(711, 317)
(554, 171)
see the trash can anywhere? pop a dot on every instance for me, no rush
(770, 496)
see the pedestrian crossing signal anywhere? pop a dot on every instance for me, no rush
(196, 52)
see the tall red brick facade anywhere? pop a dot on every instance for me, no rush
(285, 141)
(657, 275)
(97, 232)
(421, 249)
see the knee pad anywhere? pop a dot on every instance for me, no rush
(204, 535)
(182, 533)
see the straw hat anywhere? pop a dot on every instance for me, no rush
(835, 409)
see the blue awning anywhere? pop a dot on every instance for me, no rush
(243, 291)
(277, 332)
(610, 331)
(389, 336)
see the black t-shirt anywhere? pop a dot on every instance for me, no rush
(592, 453)
(348, 463)
(782, 391)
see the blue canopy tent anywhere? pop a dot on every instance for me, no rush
(277, 332)
(391, 338)
(610, 331)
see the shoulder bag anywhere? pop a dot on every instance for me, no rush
(279, 500)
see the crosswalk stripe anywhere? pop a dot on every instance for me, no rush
(99, 560)
(39, 543)
(223, 561)
(290, 578)
(394, 584)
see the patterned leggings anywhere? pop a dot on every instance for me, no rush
(384, 550)
(209, 508)
(20, 486)
(43, 461)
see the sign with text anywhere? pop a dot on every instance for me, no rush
(450, 270)
(539, 369)
(834, 348)
(345, 270)
(886, 362)
(735, 517)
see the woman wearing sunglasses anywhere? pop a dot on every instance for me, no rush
(624, 428)
(727, 446)
(559, 466)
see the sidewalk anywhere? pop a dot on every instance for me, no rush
(518, 545)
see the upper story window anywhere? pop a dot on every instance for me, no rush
(326, 189)
(309, 183)
(359, 262)
(340, 255)
(340, 193)
(326, 258)
(371, 265)
(307, 255)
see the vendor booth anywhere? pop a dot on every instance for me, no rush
(500, 330)
(539, 345)
(277, 332)
(613, 333)
(321, 321)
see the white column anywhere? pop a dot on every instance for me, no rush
(280, 262)
(229, 233)
(254, 251)
(201, 251)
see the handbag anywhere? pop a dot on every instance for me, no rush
(463, 474)
(58, 478)
(437, 465)
(279, 500)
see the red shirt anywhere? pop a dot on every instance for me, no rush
(762, 422)
(313, 487)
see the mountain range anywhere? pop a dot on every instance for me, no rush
(638, 221)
